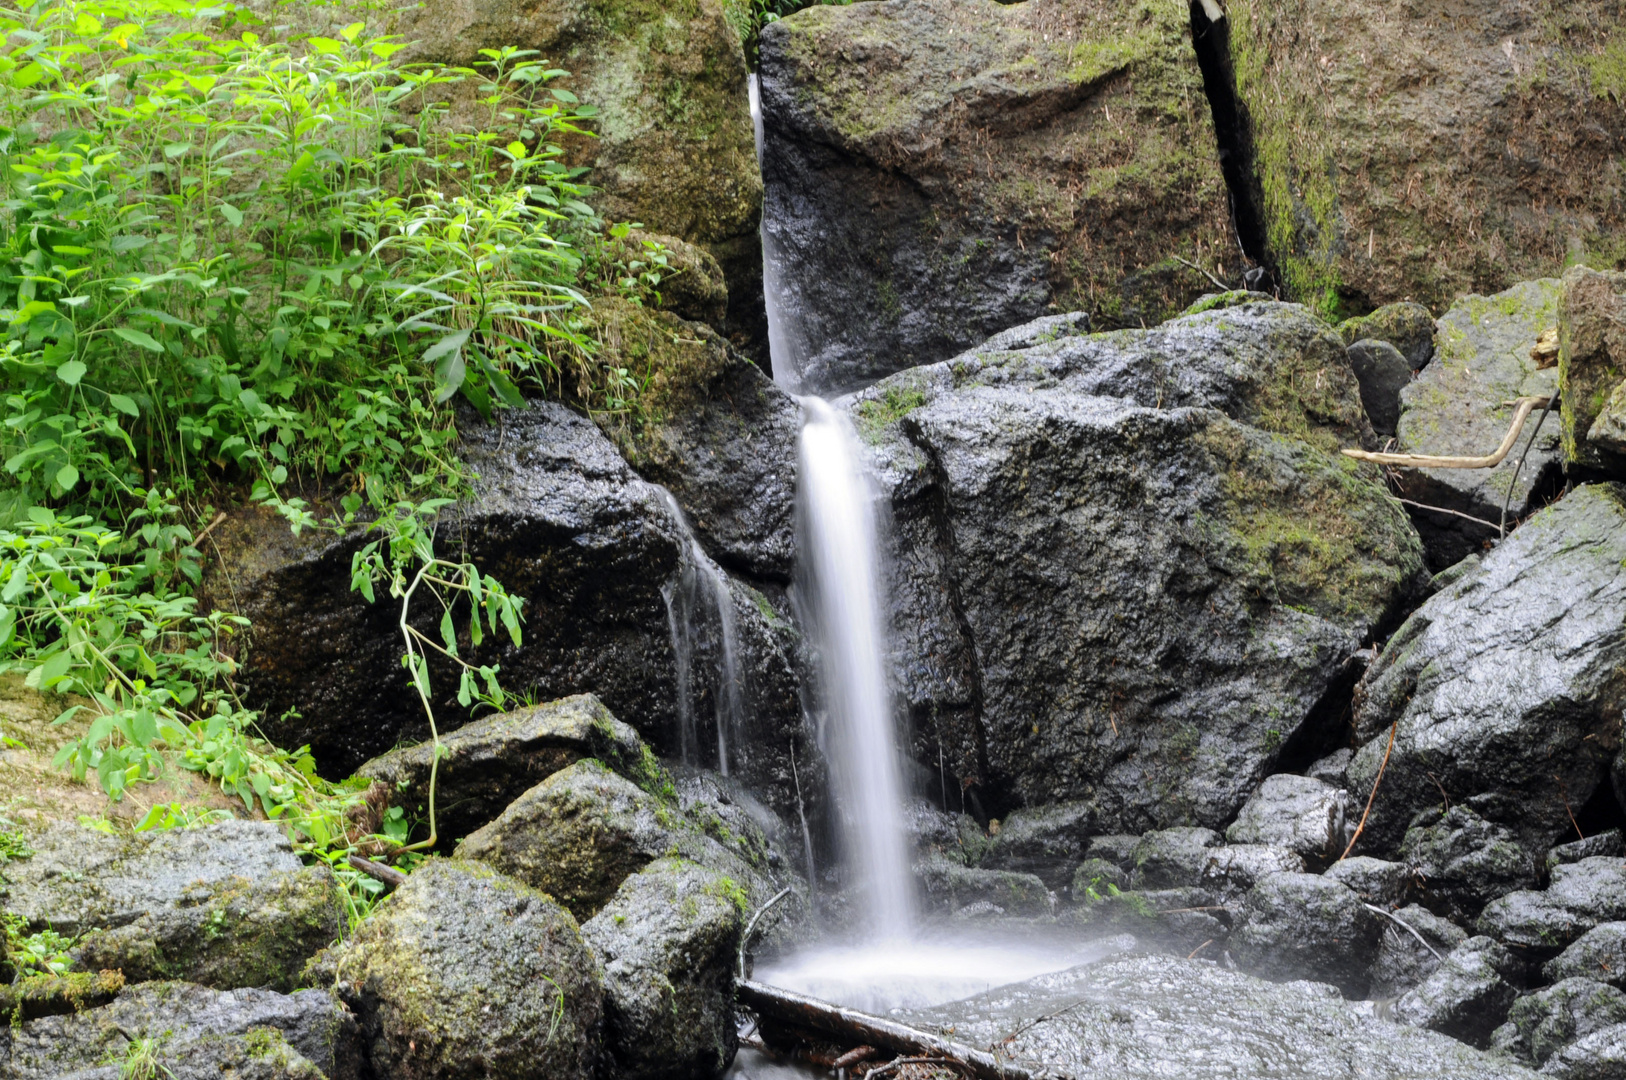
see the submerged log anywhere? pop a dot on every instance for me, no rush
(784, 1008)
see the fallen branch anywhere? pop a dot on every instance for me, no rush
(1501, 530)
(392, 878)
(1408, 927)
(1223, 287)
(1443, 510)
(856, 1028)
(854, 1056)
(1489, 461)
(745, 938)
(953, 1063)
(1369, 799)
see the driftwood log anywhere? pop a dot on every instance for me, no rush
(1488, 461)
(782, 1008)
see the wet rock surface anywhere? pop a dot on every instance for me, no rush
(667, 942)
(1592, 367)
(1299, 813)
(1598, 954)
(922, 162)
(1048, 841)
(466, 972)
(1406, 325)
(1376, 881)
(1383, 373)
(1098, 544)
(227, 905)
(1170, 858)
(1580, 896)
(1464, 862)
(1502, 681)
(1407, 954)
(1461, 404)
(1154, 1017)
(1300, 926)
(194, 1034)
(1548, 1020)
(1467, 995)
(949, 887)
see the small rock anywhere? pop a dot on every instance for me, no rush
(1095, 877)
(491, 762)
(948, 887)
(1332, 769)
(668, 942)
(1171, 858)
(1599, 954)
(1604, 843)
(1375, 881)
(1117, 848)
(1533, 923)
(1598, 1056)
(198, 1034)
(1403, 961)
(1549, 1020)
(1233, 869)
(1608, 432)
(1467, 996)
(1382, 373)
(1465, 862)
(1044, 840)
(1407, 326)
(466, 972)
(1300, 926)
(1295, 812)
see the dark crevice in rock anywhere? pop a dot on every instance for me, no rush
(1233, 134)
(1600, 813)
(1330, 724)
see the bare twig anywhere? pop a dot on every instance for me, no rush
(1370, 798)
(1204, 273)
(1453, 513)
(899, 1063)
(1488, 461)
(854, 1056)
(1501, 529)
(745, 938)
(209, 528)
(391, 877)
(1564, 793)
(1193, 953)
(1407, 927)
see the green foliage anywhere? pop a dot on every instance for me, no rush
(13, 845)
(1608, 71)
(42, 953)
(141, 1062)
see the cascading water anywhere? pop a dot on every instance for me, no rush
(700, 616)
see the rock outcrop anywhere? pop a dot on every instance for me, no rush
(939, 171)
(1107, 587)
(1505, 688)
(1592, 369)
(1467, 996)
(1418, 153)
(1300, 926)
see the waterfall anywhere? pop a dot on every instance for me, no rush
(700, 618)
(838, 576)
(837, 540)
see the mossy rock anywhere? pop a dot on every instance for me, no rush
(1592, 366)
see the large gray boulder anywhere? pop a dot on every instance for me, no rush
(227, 905)
(668, 941)
(1299, 813)
(923, 162)
(1415, 942)
(463, 972)
(1551, 1019)
(180, 1031)
(1467, 995)
(1506, 685)
(1300, 926)
(1599, 954)
(562, 521)
(1464, 862)
(1103, 587)
(1580, 896)
(1598, 1056)
(948, 887)
(1461, 404)
(1047, 840)
(1154, 1017)
(1172, 858)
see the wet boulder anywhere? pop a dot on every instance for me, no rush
(667, 942)
(1415, 942)
(1171, 858)
(1177, 920)
(1375, 881)
(1332, 769)
(1592, 368)
(1115, 848)
(1097, 877)
(1231, 870)
(1462, 405)
(949, 887)
(1383, 373)
(1304, 815)
(1464, 862)
(1609, 842)
(465, 972)
(1401, 154)
(1580, 896)
(1300, 926)
(966, 127)
(1598, 1056)
(226, 905)
(180, 1031)
(1044, 840)
(1467, 996)
(1598, 954)
(1099, 542)
(487, 764)
(1551, 1019)
(1405, 325)
(1507, 684)
(1151, 1017)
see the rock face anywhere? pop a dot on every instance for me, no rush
(463, 972)
(1169, 858)
(1048, 841)
(1505, 679)
(1599, 954)
(949, 887)
(194, 1034)
(675, 147)
(1460, 405)
(1148, 1018)
(561, 520)
(1467, 996)
(1305, 816)
(1592, 368)
(667, 941)
(227, 905)
(1413, 154)
(491, 762)
(1403, 961)
(1300, 926)
(1104, 589)
(1550, 1019)
(1580, 896)
(1464, 861)
(939, 171)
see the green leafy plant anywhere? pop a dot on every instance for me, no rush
(41, 953)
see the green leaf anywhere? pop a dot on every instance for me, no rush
(28, 76)
(233, 216)
(125, 405)
(298, 168)
(71, 372)
(138, 337)
(177, 149)
(448, 632)
(67, 477)
(450, 372)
